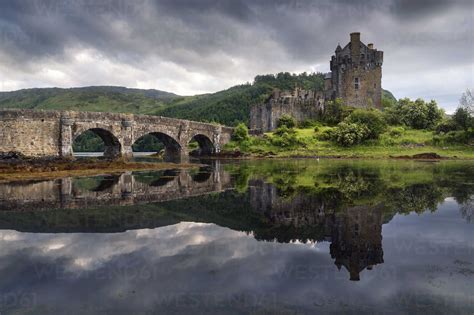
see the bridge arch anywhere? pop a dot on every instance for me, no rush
(172, 148)
(206, 146)
(112, 145)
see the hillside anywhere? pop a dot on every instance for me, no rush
(93, 98)
(227, 107)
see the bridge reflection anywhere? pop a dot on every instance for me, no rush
(111, 190)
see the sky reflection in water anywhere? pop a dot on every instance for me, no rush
(265, 241)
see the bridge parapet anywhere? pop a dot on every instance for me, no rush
(52, 133)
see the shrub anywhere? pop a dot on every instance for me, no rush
(396, 132)
(316, 129)
(285, 140)
(241, 133)
(326, 135)
(286, 120)
(307, 123)
(372, 119)
(347, 134)
(284, 129)
(446, 126)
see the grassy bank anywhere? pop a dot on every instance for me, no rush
(309, 142)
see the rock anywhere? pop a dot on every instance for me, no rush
(429, 155)
(12, 155)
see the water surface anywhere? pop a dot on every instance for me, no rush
(243, 237)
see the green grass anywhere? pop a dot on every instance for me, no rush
(409, 142)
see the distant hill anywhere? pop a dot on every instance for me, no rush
(93, 98)
(228, 107)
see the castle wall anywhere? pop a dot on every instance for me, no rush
(264, 117)
(369, 93)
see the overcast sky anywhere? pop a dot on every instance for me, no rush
(190, 47)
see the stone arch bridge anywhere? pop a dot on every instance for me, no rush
(52, 133)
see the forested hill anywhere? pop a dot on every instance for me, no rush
(227, 107)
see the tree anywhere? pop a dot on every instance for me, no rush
(467, 101)
(419, 114)
(461, 118)
(241, 133)
(372, 119)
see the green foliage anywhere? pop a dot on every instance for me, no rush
(307, 123)
(372, 119)
(147, 143)
(88, 141)
(446, 125)
(325, 135)
(348, 134)
(418, 114)
(462, 118)
(286, 120)
(285, 137)
(454, 137)
(335, 112)
(396, 132)
(241, 133)
(388, 100)
(288, 81)
(232, 106)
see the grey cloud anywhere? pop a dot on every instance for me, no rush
(237, 39)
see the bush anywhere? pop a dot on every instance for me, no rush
(326, 135)
(241, 133)
(285, 139)
(370, 118)
(286, 120)
(307, 123)
(396, 132)
(347, 134)
(316, 129)
(446, 126)
(455, 137)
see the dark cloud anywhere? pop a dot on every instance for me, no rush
(227, 41)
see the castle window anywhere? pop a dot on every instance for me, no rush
(375, 85)
(356, 83)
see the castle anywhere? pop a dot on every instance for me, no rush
(355, 77)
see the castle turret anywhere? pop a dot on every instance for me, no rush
(357, 74)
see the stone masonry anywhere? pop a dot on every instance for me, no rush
(51, 133)
(355, 77)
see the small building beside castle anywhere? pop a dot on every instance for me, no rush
(355, 77)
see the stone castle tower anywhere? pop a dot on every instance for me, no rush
(356, 74)
(355, 77)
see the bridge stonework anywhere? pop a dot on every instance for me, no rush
(52, 133)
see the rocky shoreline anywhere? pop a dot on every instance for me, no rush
(14, 166)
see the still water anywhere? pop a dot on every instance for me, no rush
(266, 237)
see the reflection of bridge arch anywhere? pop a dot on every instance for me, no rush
(202, 175)
(112, 145)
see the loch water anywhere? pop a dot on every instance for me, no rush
(240, 237)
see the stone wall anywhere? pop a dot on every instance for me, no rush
(264, 117)
(52, 133)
